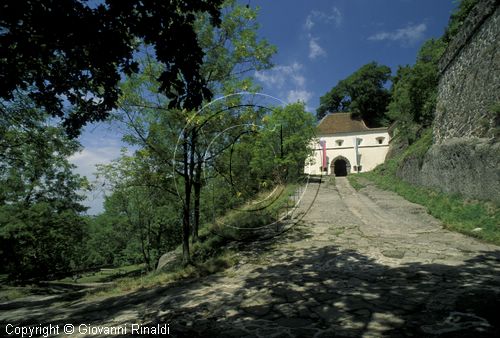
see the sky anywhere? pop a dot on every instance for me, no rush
(319, 43)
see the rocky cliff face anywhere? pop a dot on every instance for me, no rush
(465, 155)
(469, 167)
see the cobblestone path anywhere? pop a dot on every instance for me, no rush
(359, 264)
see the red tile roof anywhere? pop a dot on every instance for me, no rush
(342, 123)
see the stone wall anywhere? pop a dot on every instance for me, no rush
(469, 84)
(469, 167)
(465, 155)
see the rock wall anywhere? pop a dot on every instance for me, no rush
(465, 155)
(469, 167)
(469, 84)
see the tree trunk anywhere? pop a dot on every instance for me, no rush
(197, 198)
(158, 246)
(144, 250)
(186, 257)
(186, 209)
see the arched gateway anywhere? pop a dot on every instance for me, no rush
(340, 166)
(342, 136)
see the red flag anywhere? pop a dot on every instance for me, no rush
(323, 145)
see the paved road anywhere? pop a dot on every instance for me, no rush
(362, 263)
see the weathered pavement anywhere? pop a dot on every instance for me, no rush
(362, 263)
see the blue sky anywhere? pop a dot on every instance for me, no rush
(319, 43)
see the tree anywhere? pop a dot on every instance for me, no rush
(174, 137)
(457, 18)
(109, 241)
(414, 88)
(362, 93)
(284, 142)
(232, 52)
(414, 92)
(42, 231)
(270, 153)
(138, 205)
(79, 61)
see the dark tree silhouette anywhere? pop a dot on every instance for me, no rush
(70, 55)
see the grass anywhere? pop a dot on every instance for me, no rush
(480, 219)
(338, 232)
(220, 262)
(213, 252)
(105, 275)
(330, 180)
(263, 210)
(354, 180)
(8, 293)
(420, 147)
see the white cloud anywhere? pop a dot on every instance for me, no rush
(296, 95)
(287, 81)
(281, 75)
(309, 23)
(315, 50)
(333, 16)
(318, 17)
(407, 36)
(85, 162)
(86, 159)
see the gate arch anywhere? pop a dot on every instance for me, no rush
(340, 166)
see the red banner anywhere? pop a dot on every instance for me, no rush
(323, 145)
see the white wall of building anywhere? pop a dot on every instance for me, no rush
(372, 153)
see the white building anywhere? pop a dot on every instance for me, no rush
(345, 145)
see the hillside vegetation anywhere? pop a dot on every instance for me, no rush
(480, 219)
(219, 242)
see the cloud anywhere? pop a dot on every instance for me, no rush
(315, 50)
(309, 24)
(298, 95)
(281, 75)
(407, 36)
(315, 17)
(85, 162)
(333, 16)
(86, 159)
(287, 81)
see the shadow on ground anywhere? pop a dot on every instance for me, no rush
(329, 292)
(324, 292)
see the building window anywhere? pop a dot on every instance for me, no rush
(339, 142)
(380, 140)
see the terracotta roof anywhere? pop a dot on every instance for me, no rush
(342, 123)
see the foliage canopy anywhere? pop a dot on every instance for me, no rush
(362, 93)
(79, 61)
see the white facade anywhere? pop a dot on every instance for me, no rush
(343, 152)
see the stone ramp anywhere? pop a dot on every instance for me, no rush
(404, 230)
(358, 264)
